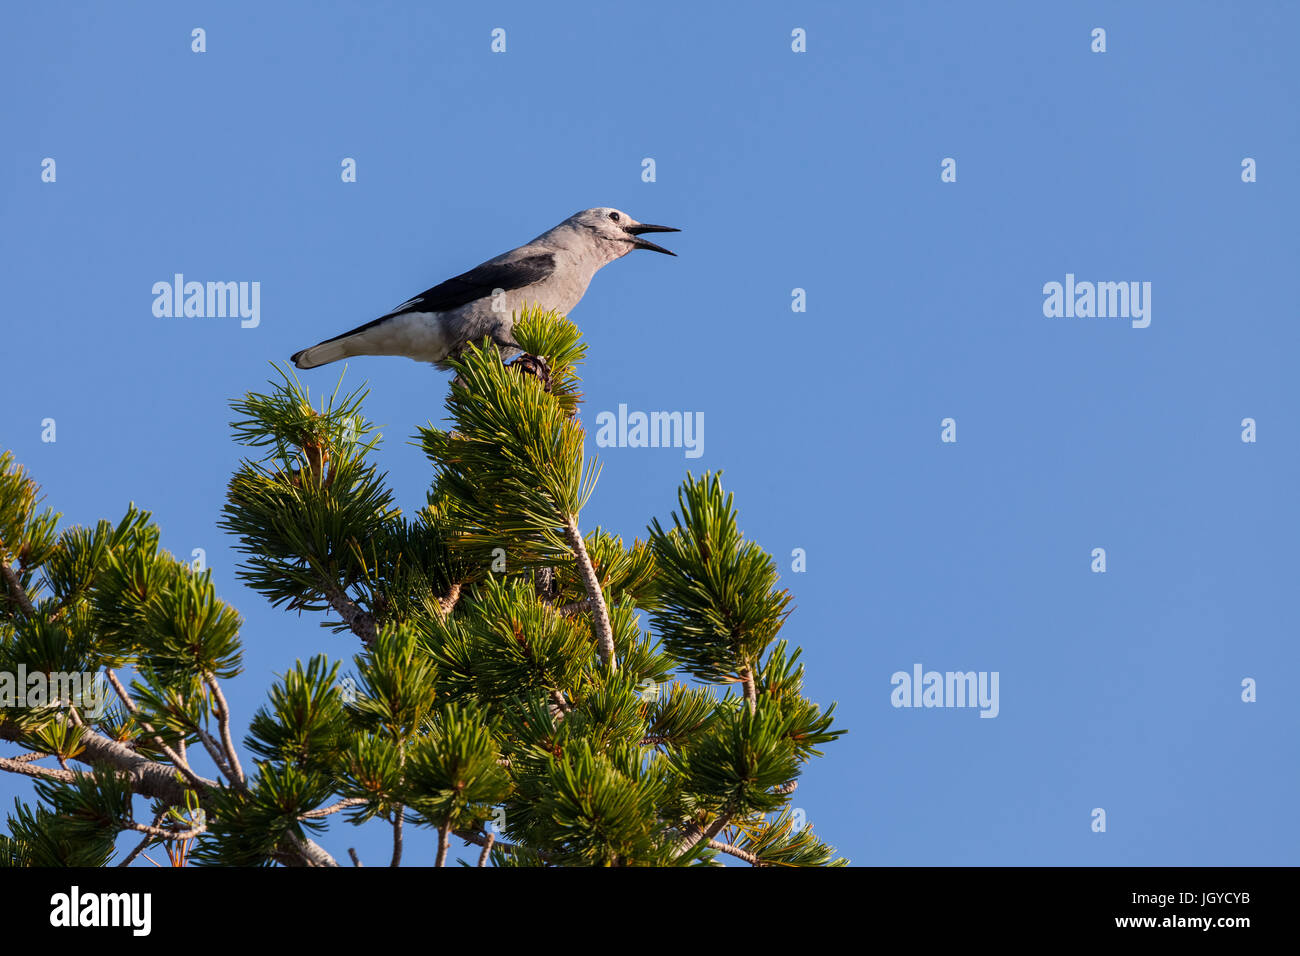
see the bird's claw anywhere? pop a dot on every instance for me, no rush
(536, 366)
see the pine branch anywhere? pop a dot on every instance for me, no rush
(334, 808)
(30, 755)
(361, 622)
(595, 597)
(140, 847)
(397, 837)
(443, 831)
(180, 763)
(27, 769)
(163, 832)
(737, 852)
(20, 596)
(446, 604)
(490, 840)
(227, 744)
(147, 777)
(214, 751)
(303, 852)
(693, 835)
(559, 707)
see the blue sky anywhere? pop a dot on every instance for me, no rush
(819, 171)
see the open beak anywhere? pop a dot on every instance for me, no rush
(640, 243)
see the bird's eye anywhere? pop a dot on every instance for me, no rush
(614, 216)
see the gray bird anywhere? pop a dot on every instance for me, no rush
(552, 271)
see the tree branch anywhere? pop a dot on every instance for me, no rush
(303, 852)
(28, 769)
(361, 622)
(487, 849)
(558, 706)
(737, 852)
(397, 838)
(227, 744)
(30, 755)
(595, 597)
(443, 832)
(140, 847)
(148, 778)
(694, 834)
(214, 751)
(751, 687)
(446, 604)
(20, 596)
(157, 831)
(333, 808)
(478, 839)
(181, 764)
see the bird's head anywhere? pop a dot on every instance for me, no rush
(621, 231)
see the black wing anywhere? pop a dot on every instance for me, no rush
(479, 282)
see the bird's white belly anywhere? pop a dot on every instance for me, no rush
(418, 335)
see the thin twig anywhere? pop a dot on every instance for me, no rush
(127, 702)
(140, 847)
(227, 744)
(163, 832)
(478, 839)
(27, 769)
(214, 751)
(31, 755)
(596, 597)
(333, 808)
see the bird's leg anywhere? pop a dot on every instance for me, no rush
(518, 359)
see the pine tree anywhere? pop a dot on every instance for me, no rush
(505, 694)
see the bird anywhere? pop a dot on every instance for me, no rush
(552, 271)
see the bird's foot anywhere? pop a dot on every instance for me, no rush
(536, 366)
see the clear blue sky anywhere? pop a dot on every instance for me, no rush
(818, 171)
